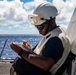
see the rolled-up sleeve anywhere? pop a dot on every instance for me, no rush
(53, 48)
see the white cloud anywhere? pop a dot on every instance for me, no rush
(37, 2)
(29, 5)
(12, 13)
(65, 9)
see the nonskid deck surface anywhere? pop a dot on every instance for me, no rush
(5, 66)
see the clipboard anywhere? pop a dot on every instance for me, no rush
(25, 48)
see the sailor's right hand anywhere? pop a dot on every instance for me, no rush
(26, 44)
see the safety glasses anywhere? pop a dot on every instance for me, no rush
(41, 26)
(36, 19)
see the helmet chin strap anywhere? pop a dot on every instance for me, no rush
(49, 25)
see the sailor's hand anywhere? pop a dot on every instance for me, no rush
(26, 44)
(15, 47)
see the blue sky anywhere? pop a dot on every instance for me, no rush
(13, 15)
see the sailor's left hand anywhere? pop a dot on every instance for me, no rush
(15, 47)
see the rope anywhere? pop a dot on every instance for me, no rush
(3, 48)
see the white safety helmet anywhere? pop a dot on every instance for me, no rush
(42, 13)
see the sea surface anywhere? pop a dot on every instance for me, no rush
(6, 52)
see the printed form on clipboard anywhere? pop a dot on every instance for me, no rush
(25, 48)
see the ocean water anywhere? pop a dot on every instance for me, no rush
(7, 52)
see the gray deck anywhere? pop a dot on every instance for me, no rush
(5, 67)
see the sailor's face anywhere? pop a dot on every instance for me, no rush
(42, 28)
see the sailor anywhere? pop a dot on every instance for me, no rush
(53, 49)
